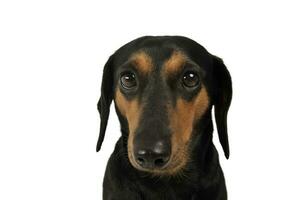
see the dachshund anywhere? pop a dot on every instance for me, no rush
(164, 89)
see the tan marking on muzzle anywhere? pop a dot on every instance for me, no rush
(182, 120)
(186, 113)
(131, 110)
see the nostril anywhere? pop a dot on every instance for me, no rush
(151, 158)
(159, 162)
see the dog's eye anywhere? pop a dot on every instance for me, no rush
(190, 79)
(128, 80)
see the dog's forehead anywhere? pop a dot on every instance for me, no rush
(158, 50)
(157, 60)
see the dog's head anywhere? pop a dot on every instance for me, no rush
(164, 89)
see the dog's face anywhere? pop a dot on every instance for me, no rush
(161, 98)
(162, 88)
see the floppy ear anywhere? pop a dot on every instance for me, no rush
(105, 100)
(222, 101)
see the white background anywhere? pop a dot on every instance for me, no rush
(51, 59)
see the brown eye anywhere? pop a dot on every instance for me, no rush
(128, 80)
(190, 79)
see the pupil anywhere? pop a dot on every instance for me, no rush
(190, 79)
(191, 75)
(129, 77)
(128, 80)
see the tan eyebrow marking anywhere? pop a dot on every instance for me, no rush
(142, 61)
(175, 62)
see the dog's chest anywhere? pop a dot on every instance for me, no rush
(164, 192)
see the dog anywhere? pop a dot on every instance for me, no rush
(164, 88)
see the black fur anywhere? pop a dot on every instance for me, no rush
(200, 179)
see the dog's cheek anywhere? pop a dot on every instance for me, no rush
(181, 120)
(183, 117)
(201, 104)
(131, 111)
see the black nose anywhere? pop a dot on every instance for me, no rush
(154, 157)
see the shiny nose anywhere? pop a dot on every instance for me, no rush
(153, 158)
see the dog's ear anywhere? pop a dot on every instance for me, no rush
(222, 101)
(105, 99)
